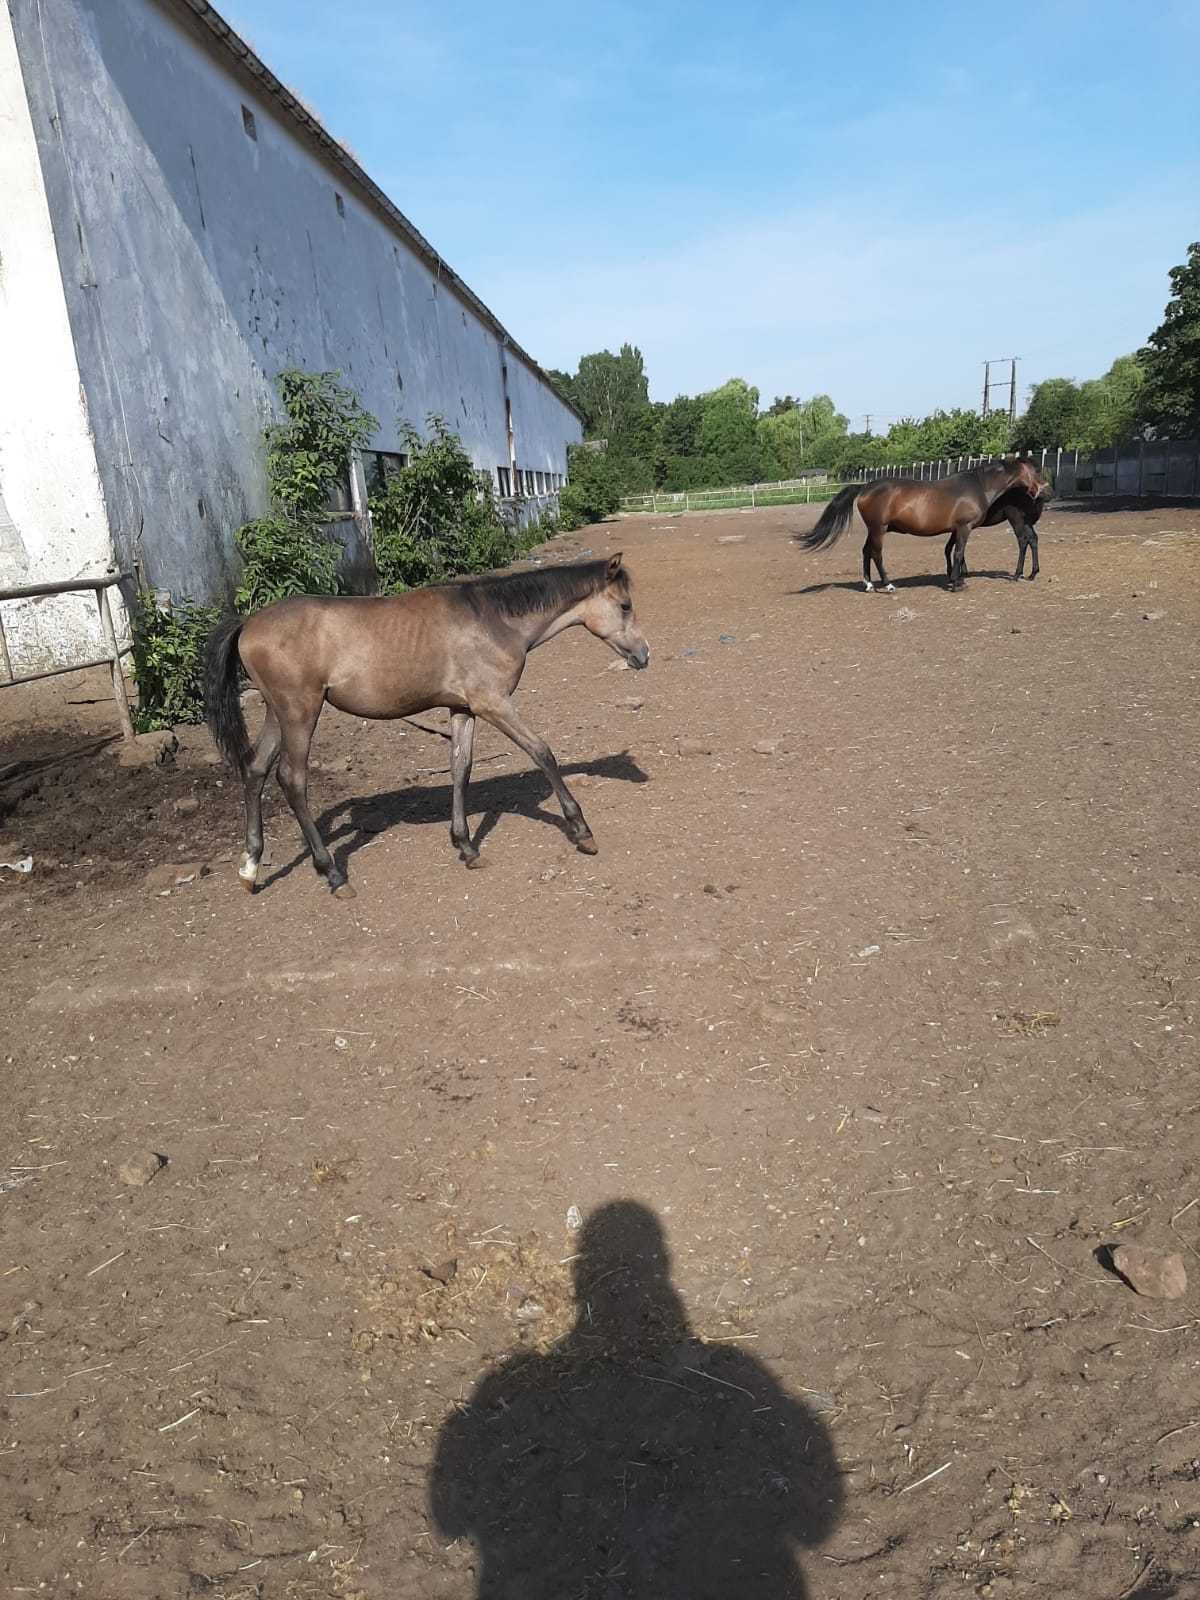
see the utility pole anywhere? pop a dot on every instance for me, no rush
(990, 383)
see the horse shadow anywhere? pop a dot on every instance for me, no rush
(349, 824)
(918, 580)
(632, 1460)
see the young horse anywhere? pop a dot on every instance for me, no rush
(1021, 511)
(947, 505)
(460, 645)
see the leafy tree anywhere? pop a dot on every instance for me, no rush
(679, 431)
(1084, 416)
(728, 431)
(804, 433)
(565, 384)
(1052, 418)
(1170, 400)
(612, 392)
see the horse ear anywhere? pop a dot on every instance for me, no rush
(614, 566)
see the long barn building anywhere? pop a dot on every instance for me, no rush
(176, 229)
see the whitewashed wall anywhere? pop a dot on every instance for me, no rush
(198, 262)
(52, 519)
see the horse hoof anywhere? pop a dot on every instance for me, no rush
(345, 891)
(587, 846)
(474, 863)
(249, 884)
(889, 588)
(248, 872)
(868, 588)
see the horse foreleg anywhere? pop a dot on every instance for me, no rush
(949, 561)
(266, 753)
(1031, 539)
(502, 714)
(462, 747)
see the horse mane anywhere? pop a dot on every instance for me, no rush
(517, 594)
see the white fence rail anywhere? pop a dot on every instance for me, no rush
(786, 491)
(1169, 467)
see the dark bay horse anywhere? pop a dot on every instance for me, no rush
(460, 645)
(948, 505)
(1021, 511)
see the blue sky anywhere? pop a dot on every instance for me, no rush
(859, 199)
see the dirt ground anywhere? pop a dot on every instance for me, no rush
(718, 1216)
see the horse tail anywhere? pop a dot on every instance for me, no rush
(833, 521)
(222, 701)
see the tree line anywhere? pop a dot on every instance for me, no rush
(726, 436)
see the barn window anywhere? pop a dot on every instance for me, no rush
(340, 500)
(249, 125)
(340, 203)
(380, 467)
(502, 481)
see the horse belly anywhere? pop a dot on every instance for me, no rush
(382, 696)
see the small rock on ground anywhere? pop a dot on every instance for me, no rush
(633, 702)
(695, 747)
(732, 538)
(187, 805)
(767, 747)
(1153, 616)
(168, 874)
(1157, 1274)
(139, 1169)
(148, 750)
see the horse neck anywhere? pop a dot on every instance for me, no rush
(543, 626)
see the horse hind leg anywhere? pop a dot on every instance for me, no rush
(293, 780)
(958, 571)
(873, 551)
(266, 753)
(462, 745)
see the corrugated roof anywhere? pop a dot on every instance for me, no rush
(244, 60)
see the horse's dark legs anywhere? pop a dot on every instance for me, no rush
(949, 564)
(462, 746)
(293, 780)
(266, 753)
(958, 563)
(873, 551)
(502, 714)
(1026, 540)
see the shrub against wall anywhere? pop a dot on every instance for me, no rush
(308, 457)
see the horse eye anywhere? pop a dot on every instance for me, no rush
(627, 606)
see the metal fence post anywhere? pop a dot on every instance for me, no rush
(118, 677)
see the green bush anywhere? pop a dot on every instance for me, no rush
(436, 518)
(593, 491)
(168, 661)
(283, 556)
(308, 457)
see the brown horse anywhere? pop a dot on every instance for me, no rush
(460, 645)
(1021, 511)
(949, 505)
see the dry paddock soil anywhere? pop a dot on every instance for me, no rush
(850, 1053)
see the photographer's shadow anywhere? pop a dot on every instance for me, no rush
(632, 1461)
